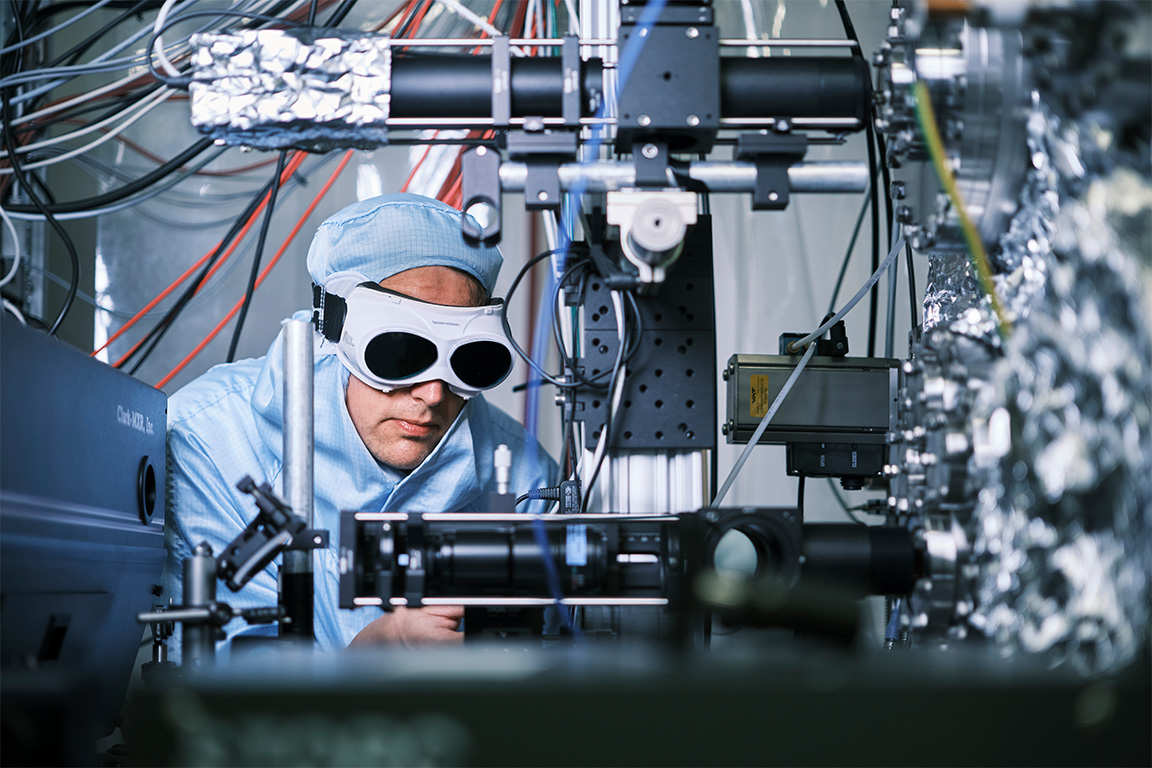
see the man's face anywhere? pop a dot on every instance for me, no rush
(402, 427)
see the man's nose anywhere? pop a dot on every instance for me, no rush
(431, 393)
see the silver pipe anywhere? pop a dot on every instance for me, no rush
(298, 435)
(782, 42)
(199, 641)
(456, 42)
(607, 176)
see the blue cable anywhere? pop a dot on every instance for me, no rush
(571, 205)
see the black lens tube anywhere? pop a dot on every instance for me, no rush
(863, 560)
(442, 86)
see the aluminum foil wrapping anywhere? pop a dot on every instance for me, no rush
(1061, 532)
(277, 89)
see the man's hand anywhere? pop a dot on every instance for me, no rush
(434, 625)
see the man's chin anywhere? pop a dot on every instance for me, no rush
(405, 454)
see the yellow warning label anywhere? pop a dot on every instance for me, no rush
(759, 399)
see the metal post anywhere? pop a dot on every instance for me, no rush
(199, 590)
(606, 176)
(296, 586)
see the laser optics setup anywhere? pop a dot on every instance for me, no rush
(1005, 455)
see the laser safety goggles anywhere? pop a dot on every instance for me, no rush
(389, 340)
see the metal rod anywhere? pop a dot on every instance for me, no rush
(199, 641)
(781, 42)
(456, 42)
(483, 122)
(297, 583)
(521, 601)
(847, 123)
(607, 176)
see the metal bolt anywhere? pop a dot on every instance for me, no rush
(692, 32)
(693, 120)
(673, 562)
(648, 150)
(542, 195)
(783, 126)
(773, 196)
(481, 151)
(317, 540)
(644, 120)
(724, 428)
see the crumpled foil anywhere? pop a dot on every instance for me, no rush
(1061, 532)
(279, 89)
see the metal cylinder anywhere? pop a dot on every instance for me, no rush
(297, 586)
(784, 86)
(607, 176)
(875, 560)
(199, 642)
(460, 85)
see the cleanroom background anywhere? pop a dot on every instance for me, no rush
(774, 270)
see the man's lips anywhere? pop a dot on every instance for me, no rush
(416, 428)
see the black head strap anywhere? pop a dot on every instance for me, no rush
(328, 313)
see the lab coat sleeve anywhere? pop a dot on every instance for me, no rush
(204, 505)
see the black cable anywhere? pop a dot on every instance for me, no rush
(118, 194)
(508, 327)
(150, 341)
(607, 435)
(312, 13)
(76, 51)
(18, 172)
(848, 253)
(339, 14)
(844, 504)
(912, 305)
(870, 131)
(119, 104)
(256, 258)
(182, 82)
(800, 497)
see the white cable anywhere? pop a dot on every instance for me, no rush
(163, 96)
(750, 27)
(854, 300)
(480, 21)
(86, 130)
(616, 395)
(12, 308)
(530, 18)
(77, 100)
(573, 17)
(763, 425)
(16, 244)
(162, 57)
(49, 32)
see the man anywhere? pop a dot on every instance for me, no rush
(386, 439)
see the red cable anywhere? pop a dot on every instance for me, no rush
(288, 171)
(264, 273)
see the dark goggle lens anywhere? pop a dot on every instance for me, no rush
(396, 355)
(481, 364)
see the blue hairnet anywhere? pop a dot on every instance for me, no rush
(386, 235)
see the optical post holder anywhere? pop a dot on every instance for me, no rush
(275, 529)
